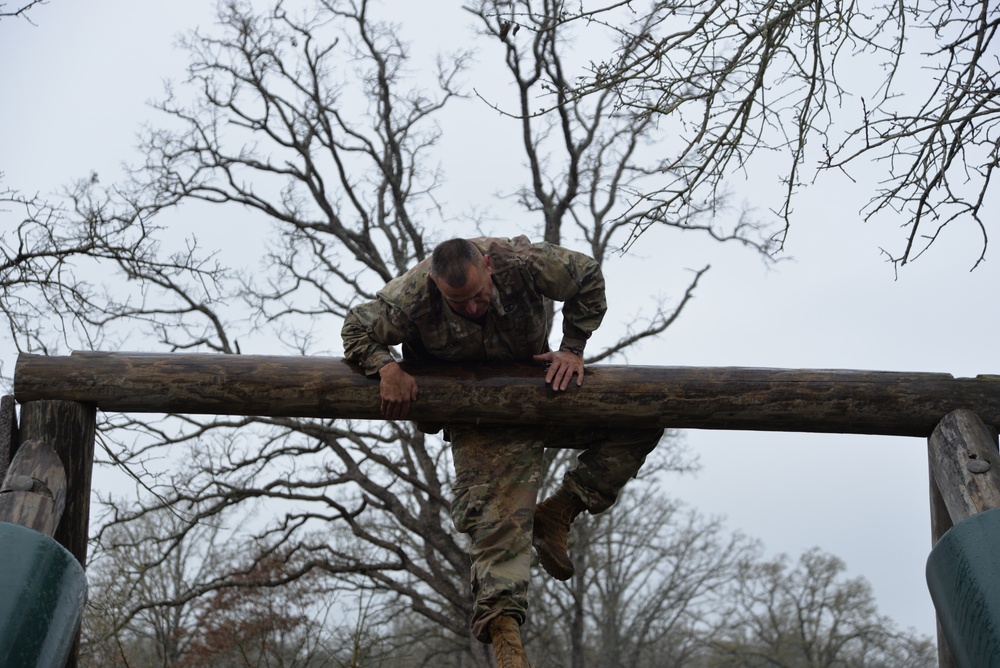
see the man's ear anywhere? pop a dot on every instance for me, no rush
(489, 264)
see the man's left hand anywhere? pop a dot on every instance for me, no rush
(562, 366)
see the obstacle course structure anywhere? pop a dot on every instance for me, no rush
(59, 397)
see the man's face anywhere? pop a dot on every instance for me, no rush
(472, 300)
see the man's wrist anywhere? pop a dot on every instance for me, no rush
(388, 368)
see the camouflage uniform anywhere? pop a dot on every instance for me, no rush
(498, 468)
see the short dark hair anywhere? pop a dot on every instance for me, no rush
(451, 259)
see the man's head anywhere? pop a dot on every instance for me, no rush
(464, 276)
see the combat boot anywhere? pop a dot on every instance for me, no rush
(551, 531)
(506, 635)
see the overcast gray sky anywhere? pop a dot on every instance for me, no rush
(75, 88)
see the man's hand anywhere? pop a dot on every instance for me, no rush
(397, 389)
(562, 366)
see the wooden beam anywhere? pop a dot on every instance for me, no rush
(838, 401)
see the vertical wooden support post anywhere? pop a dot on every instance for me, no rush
(69, 427)
(940, 523)
(8, 433)
(964, 481)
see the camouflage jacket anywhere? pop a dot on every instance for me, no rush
(410, 309)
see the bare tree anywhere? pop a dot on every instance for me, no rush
(908, 86)
(142, 608)
(155, 600)
(606, 161)
(650, 577)
(55, 260)
(330, 167)
(250, 624)
(810, 615)
(311, 126)
(19, 10)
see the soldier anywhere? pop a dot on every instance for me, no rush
(484, 300)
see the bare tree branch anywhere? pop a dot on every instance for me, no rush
(19, 10)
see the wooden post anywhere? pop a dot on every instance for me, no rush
(42, 482)
(965, 464)
(33, 493)
(940, 523)
(8, 433)
(964, 480)
(69, 427)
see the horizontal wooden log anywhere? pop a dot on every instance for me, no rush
(838, 401)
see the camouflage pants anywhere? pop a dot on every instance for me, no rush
(497, 476)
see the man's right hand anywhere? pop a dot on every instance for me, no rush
(397, 389)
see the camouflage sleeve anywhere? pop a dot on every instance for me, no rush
(576, 280)
(369, 329)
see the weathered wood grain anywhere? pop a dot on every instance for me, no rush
(965, 464)
(69, 427)
(838, 401)
(964, 480)
(8, 432)
(33, 493)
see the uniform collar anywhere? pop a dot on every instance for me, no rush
(495, 303)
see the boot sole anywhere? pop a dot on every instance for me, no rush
(550, 564)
